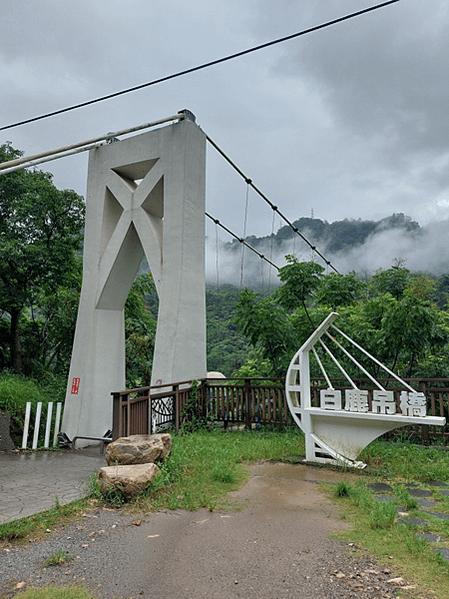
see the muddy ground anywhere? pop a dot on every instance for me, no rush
(278, 547)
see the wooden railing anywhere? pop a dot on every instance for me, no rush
(253, 402)
(141, 411)
(246, 401)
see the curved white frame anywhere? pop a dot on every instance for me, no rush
(337, 436)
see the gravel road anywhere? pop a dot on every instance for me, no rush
(275, 548)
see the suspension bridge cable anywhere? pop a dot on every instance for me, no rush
(199, 67)
(245, 222)
(217, 247)
(272, 206)
(271, 249)
(240, 240)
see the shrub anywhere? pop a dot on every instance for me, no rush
(16, 390)
(192, 418)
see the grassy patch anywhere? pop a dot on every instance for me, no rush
(382, 515)
(54, 592)
(375, 523)
(407, 462)
(375, 531)
(205, 466)
(35, 527)
(202, 468)
(58, 558)
(17, 390)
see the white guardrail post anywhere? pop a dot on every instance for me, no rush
(26, 427)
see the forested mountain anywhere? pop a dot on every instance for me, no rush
(335, 237)
(361, 246)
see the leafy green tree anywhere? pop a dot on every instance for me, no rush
(40, 232)
(402, 333)
(394, 280)
(441, 292)
(140, 331)
(338, 290)
(266, 324)
(396, 323)
(409, 329)
(48, 327)
(227, 348)
(299, 282)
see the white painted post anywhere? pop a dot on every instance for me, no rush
(48, 425)
(57, 422)
(26, 425)
(36, 425)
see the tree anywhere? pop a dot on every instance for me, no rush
(266, 324)
(394, 280)
(140, 331)
(48, 327)
(300, 280)
(40, 231)
(396, 323)
(338, 290)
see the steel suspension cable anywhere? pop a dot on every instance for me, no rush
(217, 246)
(240, 240)
(272, 206)
(245, 222)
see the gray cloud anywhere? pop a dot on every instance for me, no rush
(350, 121)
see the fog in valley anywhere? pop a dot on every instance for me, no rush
(420, 249)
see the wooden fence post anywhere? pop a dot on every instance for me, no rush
(26, 425)
(150, 414)
(48, 425)
(37, 425)
(177, 408)
(247, 404)
(116, 416)
(425, 429)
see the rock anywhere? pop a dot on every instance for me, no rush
(138, 449)
(6, 443)
(128, 480)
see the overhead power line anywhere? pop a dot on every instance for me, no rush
(200, 67)
(41, 157)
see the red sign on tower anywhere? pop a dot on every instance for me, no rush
(75, 386)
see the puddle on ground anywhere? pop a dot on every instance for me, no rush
(280, 470)
(278, 486)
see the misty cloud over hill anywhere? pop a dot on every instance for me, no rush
(351, 245)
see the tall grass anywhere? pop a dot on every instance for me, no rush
(408, 461)
(204, 466)
(17, 390)
(55, 592)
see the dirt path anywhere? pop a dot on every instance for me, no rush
(278, 547)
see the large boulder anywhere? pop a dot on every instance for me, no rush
(128, 480)
(138, 449)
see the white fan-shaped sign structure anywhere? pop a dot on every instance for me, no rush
(337, 433)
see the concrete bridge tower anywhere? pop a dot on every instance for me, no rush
(145, 196)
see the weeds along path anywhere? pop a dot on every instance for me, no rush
(277, 546)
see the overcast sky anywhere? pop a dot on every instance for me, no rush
(348, 122)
